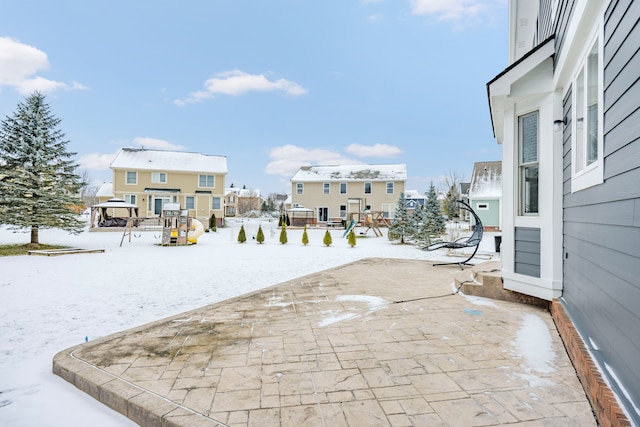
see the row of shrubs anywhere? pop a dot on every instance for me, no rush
(327, 240)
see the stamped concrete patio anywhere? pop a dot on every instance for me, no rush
(378, 342)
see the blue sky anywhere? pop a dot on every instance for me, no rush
(271, 85)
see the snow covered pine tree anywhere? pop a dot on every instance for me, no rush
(39, 186)
(402, 226)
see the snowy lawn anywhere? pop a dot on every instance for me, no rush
(52, 303)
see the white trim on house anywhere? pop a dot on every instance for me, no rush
(592, 174)
(540, 288)
(525, 87)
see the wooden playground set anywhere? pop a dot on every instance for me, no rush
(362, 222)
(174, 227)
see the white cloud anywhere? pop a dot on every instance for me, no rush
(28, 86)
(377, 150)
(78, 86)
(287, 159)
(19, 67)
(96, 161)
(157, 144)
(375, 18)
(460, 12)
(236, 82)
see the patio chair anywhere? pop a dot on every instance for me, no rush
(472, 241)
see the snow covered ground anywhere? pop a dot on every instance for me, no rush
(52, 303)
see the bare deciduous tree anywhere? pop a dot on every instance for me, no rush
(452, 182)
(248, 200)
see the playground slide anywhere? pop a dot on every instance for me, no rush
(349, 228)
(197, 230)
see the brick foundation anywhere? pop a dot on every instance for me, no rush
(602, 399)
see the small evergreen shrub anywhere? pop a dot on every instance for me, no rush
(352, 238)
(283, 235)
(260, 235)
(327, 239)
(305, 237)
(213, 224)
(242, 236)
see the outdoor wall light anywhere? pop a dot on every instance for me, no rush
(559, 124)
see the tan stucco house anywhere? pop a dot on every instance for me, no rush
(337, 191)
(150, 178)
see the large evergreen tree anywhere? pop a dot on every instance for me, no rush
(402, 226)
(39, 186)
(433, 212)
(428, 218)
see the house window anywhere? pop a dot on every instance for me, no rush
(343, 188)
(587, 121)
(300, 188)
(343, 211)
(132, 177)
(367, 188)
(326, 187)
(159, 177)
(528, 163)
(388, 210)
(390, 187)
(232, 199)
(190, 202)
(130, 198)
(206, 181)
(215, 203)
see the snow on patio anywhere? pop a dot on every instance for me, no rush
(52, 303)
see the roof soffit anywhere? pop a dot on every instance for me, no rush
(530, 76)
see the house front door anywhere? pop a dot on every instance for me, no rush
(354, 205)
(157, 208)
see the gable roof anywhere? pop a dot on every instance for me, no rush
(351, 173)
(486, 180)
(414, 194)
(243, 192)
(105, 190)
(160, 160)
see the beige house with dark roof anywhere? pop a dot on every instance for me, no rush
(150, 178)
(336, 191)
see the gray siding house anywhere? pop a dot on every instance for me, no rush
(567, 113)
